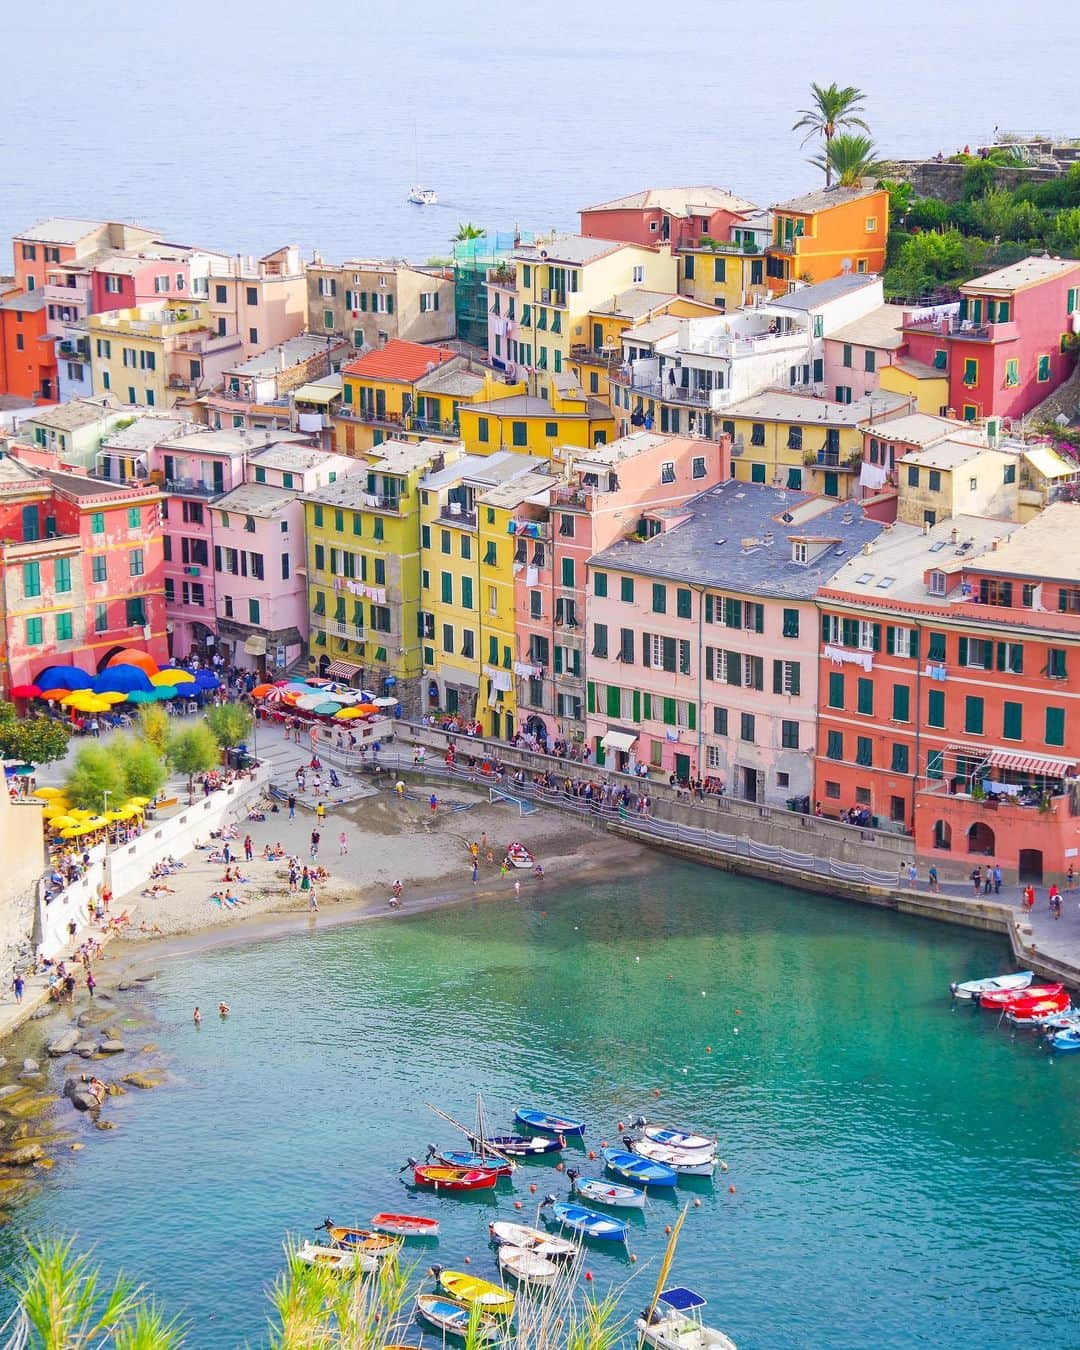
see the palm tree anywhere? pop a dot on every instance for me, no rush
(832, 108)
(850, 158)
(466, 231)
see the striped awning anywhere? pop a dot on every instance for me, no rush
(343, 670)
(1049, 765)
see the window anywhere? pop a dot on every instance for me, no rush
(683, 603)
(33, 632)
(446, 584)
(626, 589)
(864, 751)
(938, 583)
(519, 433)
(600, 583)
(794, 438)
(1055, 663)
(720, 721)
(466, 592)
(667, 471)
(757, 433)
(253, 336)
(697, 469)
(1055, 726)
(869, 362)
(135, 612)
(101, 612)
(913, 475)
(536, 604)
(846, 362)
(746, 728)
(971, 371)
(976, 653)
(659, 598)
(62, 574)
(64, 627)
(551, 429)
(566, 526)
(834, 745)
(900, 758)
(97, 522)
(864, 697)
(568, 572)
(1012, 721)
(935, 480)
(31, 580)
(135, 562)
(600, 640)
(134, 518)
(638, 274)
(757, 473)
(789, 735)
(836, 689)
(787, 677)
(901, 703)
(973, 715)
(1043, 372)
(98, 570)
(1012, 372)
(791, 623)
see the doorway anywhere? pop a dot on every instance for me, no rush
(981, 839)
(682, 768)
(751, 784)
(1031, 866)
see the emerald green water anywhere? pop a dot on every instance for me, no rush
(905, 1174)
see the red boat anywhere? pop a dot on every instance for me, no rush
(406, 1225)
(1008, 998)
(455, 1178)
(1026, 1008)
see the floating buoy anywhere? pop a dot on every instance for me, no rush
(708, 1049)
(517, 1204)
(734, 1031)
(621, 1127)
(558, 1167)
(468, 1260)
(633, 1258)
(588, 1274)
(731, 1190)
(697, 1204)
(667, 1228)
(532, 1187)
(723, 1166)
(703, 993)
(738, 1012)
(684, 1070)
(592, 1155)
(656, 1092)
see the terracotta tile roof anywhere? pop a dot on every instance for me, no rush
(399, 360)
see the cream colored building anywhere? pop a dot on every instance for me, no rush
(957, 478)
(157, 355)
(260, 301)
(370, 302)
(22, 849)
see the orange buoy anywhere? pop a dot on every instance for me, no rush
(723, 1166)
(708, 1049)
(697, 1204)
(738, 1012)
(558, 1167)
(517, 1204)
(468, 1260)
(592, 1155)
(532, 1187)
(588, 1274)
(621, 1127)
(656, 1092)
(603, 1143)
(633, 1258)
(667, 1228)
(731, 1190)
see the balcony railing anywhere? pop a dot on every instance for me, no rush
(458, 517)
(337, 627)
(673, 393)
(592, 357)
(968, 329)
(352, 413)
(193, 487)
(425, 426)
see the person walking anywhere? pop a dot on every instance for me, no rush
(343, 844)
(1070, 878)
(226, 853)
(997, 878)
(1029, 897)
(988, 880)
(976, 879)
(249, 847)
(315, 837)
(91, 983)
(932, 877)
(313, 899)
(912, 874)
(320, 812)
(18, 984)
(433, 803)
(475, 871)
(292, 806)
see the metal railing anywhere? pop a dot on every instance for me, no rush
(460, 517)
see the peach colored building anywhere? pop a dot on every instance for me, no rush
(703, 639)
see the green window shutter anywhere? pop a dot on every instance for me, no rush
(1055, 726)
(899, 758)
(647, 711)
(836, 689)
(659, 598)
(683, 603)
(973, 714)
(796, 678)
(733, 671)
(558, 660)
(890, 640)
(646, 650)
(778, 677)
(600, 583)
(759, 618)
(363, 300)
(708, 663)
(670, 716)
(877, 637)
(901, 703)
(568, 572)
(825, 628)
(937, 647)
(590, 696)
(614, 701)
(447, 592)
(637, 705)
(708, 609)
(962, 651)
(791, 623)
(389, 304)
(466, 593)
(865, 697)
(733, 616)
(1012, 728)
(691, 716)
(914, 645)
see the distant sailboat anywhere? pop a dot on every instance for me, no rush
(421, 196)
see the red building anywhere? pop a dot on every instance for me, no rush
(27, 352)
(947, 706)
(1001, 349)
(662, 215)
(81, 571)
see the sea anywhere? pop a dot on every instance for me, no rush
(900, 1172)
(250, 124)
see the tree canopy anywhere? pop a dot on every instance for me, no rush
(230, 724)
(35, 740)
(831, 108)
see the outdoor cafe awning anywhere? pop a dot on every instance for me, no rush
(255, 646)
(618, 740)
(316, 393)
(1049, 766)
(343, 670)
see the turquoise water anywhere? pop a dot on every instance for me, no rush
(904, 1174)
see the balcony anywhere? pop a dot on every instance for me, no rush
(965, 329)
(376, 501)
(667, 392)
(550, 296)
(193, 487)
(432, 427)
(74, 351)
(832, 459)
(453, 514)
(369, 417)
(609, 359)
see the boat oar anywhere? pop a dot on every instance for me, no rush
(484, 1145)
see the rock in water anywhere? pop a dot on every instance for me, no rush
(141, 1080)
(62, 1043)
(112, 1047)
(32, 1066)
(86, 1048)
(83, 1020)
(22, 1156)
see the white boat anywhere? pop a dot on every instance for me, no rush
(423, 196)
(532, 1239)
(337, 1258)
(527, 1265)
(454, 1318)
(676, 1324)
(687, 1162)
(600, 1191)
(992, 984)
(673, 1136)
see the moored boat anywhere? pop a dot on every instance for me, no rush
(343, 1259)
(442, 1178)
(684, 1162)
(1023, 1009)
(517, 855)
(535, 1239)
(518, 1145)
(634, 1167)
(672, 1136)
(475, 1292)
(406, 1225)
(1004, 998)
(1066, 1040)
(970, 989)
(543, 1120)
(600, 1191)
(527, 1265)
(452, 1317)
(359, 1239)
(423, 196)
(465, 1158)
(587, 1222)
(676, 1324)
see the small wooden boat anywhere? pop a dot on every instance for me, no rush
(676, 1324)
(517, 855)
(441, 1178)
(601, 1192)
(518, 1145)
(406, 1225)
(634, 1167)
(527, 1266)
(534, 1239)
(454, 1318)
(343, 1259)
(1055, 1020)
(1023, 1010)
(543, 1120)
(971, 989)
(466, 1159)
(358, 1239)
(1063, 1041)
(675, 1137)
(1004, 998)
(475, 1292)
(686, 1162)
(587, 1222)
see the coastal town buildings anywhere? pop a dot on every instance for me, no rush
(829, 232)
(156, 355)
(536, 426)
(255, 393)
(28, 370)
(680, 216)
(370, 303)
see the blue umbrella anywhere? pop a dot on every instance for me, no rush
(206, 679)
(63, 677)
(122, 680)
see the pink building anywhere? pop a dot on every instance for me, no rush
(124, 280)
(856, 351)
(703, 639)
(260, 584)
(601, 500)
(661, 215)
(1001, 349)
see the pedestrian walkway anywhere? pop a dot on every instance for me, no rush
(285, 756)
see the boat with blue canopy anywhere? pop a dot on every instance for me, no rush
(674, 1323)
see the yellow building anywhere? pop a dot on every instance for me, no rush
(467, 588)
(410, 392)
(541, 299)
(363, 557)
(927, 385)
(728, 274)
(593, 360)
(148, 355)
(535, 426)
(803, 443)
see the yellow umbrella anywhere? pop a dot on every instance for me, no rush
(172, 677)
(137, 801)
(48, 792)
(81, 813)
(63, 823)
(112, 696)
(348, 714)
(96, 822)
(72, 832)
(56, 807)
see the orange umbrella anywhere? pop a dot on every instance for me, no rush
(52, 694)
(132, 657)
(261, 690)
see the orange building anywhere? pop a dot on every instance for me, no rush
(27, 353)
(946, 703)
(826, 233)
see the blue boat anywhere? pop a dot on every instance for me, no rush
(643, 1171)
(542, 1120)
(518, 1145)
(1066, 1040)
(465, 1158)
(586, 1221)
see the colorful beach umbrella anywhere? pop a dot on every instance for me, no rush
(173, 676)
(261, 690)
(121, 680)
(49, 792)
(53, 695)
(309, 702)
(326, 709)
(133, 657)
(26, 691)
(63, 677)
(206, 680)
(275, 695)
(64, 822)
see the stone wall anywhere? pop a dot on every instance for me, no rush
(946, 181)
(22, 854)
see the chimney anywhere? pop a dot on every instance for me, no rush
(281, 358)
(926, 527)
(954, 535)
(868, 547)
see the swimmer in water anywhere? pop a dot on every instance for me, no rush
(223, 1009)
